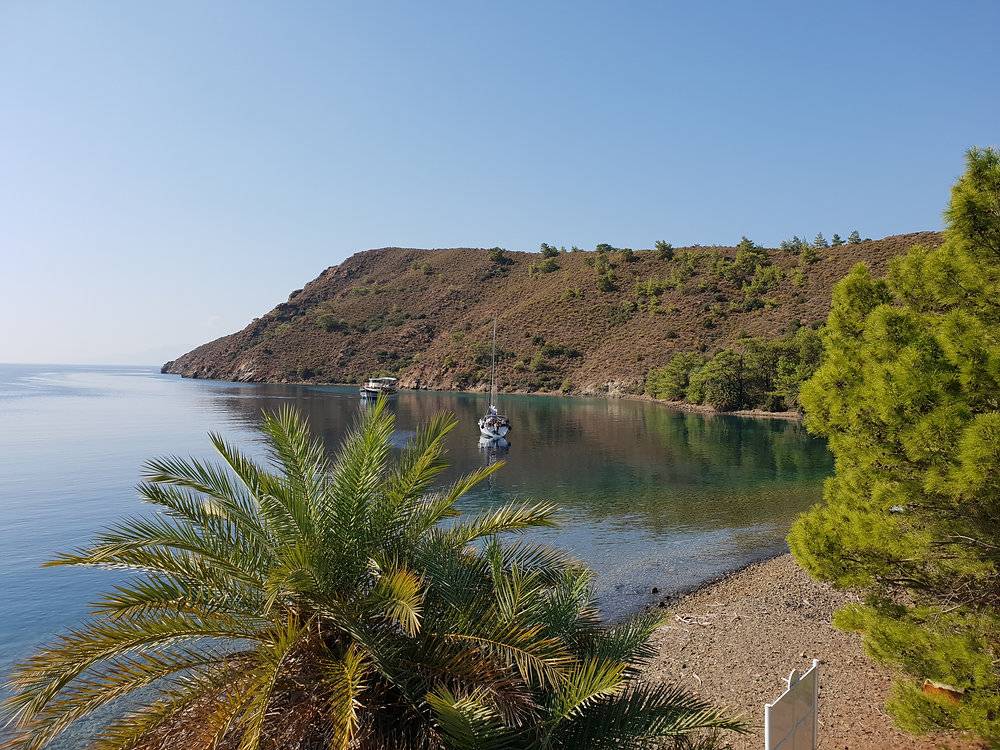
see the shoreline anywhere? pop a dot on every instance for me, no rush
(790, 416)
(734, 640)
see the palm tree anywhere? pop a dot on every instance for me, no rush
(318, 604)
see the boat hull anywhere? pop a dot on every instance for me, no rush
(375, 393)
(493, 432)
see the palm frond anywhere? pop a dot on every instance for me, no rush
(356, 482)
(641, 712)
(250, 715)
(421, 462)
(346, 680)
(466, 723)
(550, 563)
(628, 641)
(588, 681)
(511, 517)
(295, 451)
(568, 610)
(52, 668)
(539, 660)
(174, 544)
(399, 593)
(109, 681)
(196, 696)
(443, 505)
(162, 594)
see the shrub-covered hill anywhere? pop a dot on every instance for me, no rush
(584, 322)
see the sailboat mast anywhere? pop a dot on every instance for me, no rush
(493, 367)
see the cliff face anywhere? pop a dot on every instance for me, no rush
(426, 316)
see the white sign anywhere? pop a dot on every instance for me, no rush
(790, 721)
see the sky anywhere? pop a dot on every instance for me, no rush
(169, 171)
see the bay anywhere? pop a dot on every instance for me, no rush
(648, 496)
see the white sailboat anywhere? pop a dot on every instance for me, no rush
(493, 425)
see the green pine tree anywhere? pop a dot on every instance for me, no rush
(908, 394)
(854, 238)
(836, 241)
(664, 250)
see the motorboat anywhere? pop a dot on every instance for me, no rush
(375, 387)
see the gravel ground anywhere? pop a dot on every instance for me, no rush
(736, 640)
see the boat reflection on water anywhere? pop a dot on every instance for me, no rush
(493, 447)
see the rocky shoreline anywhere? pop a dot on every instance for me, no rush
(736, 639)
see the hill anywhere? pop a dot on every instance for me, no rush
(586, 322)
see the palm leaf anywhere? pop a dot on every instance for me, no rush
(538, 659)
(627, 641)
(346, 679)
(512, 516)
(399, 593)
(468, 724)
(641, 712)
(588, 681)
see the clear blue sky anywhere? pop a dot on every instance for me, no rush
(170, 170)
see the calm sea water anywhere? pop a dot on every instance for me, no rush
(648, 496)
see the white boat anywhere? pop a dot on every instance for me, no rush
(375, 387)
(493, 425)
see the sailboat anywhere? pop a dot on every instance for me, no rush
(493, 425)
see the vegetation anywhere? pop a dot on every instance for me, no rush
(499, 256)
(749, 256)
(382, 301)
(671, 381)
(311, 603)
(854, 238)
(548, 251)
(795, 244)
(808, 256)
(664, 250)
(909, 397)
(332, 323)
(546, 265)
(758, 373)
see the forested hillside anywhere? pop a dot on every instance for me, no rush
(572, 321)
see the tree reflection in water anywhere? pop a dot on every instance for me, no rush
(649, 495)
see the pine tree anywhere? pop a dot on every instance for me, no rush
(664, 250)
(837, 241)
(820, 241)
(908, 395)
(854, 238)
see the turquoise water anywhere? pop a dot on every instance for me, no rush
(648, 496)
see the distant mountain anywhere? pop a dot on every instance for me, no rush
(584, 322)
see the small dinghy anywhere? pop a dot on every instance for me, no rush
(493, 425)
